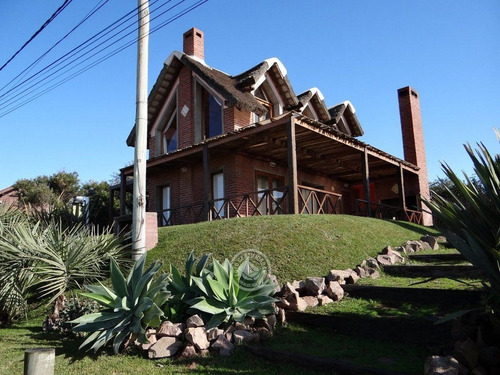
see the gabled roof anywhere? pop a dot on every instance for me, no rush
(343, 115)
(238, 91)
(315, 99)
(253, 77)
(220, 82)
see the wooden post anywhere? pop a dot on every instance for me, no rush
(123, 193)
(366, 181)
(293, 201)
(141, 128)
(402, 194)
(206, 182)
(39, 361)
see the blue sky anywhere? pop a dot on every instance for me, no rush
(362, 51)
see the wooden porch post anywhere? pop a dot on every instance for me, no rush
(206, 182)
(123, 193)
(402, 194)
(366, 181)
(293, 199)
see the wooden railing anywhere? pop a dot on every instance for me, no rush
(317, 201)
(384, 211)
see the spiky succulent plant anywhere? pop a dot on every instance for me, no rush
(130, 307)
(228, 296)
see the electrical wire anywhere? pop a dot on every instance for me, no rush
(127, 17)
(33, 64)
(54, 15)
(106, 57)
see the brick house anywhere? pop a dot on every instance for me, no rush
(9, 197)
(223, 146)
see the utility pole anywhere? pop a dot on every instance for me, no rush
(141, 125)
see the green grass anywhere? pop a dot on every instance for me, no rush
(297, 246)
(375, 309)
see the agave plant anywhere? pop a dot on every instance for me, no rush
(183, 288)
(226, 298)
(473, 222)
(130, 307)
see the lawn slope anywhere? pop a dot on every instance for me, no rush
(296, 245)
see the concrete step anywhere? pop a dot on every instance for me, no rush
(422, 296)
(437, 258)
(438, 271)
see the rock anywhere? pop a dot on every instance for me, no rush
(152, 339)
(395, 255)
(170, 329)
(467, 353)
(198, 337)
(311, 301)
(271, 321)
(165, 347)
(425, 246)
(370, 263)
(213, 333)
(264, 333)
(337, 275)
(352, 278)
(194, 321)
(249, 321)
(436, 365)
(296, 303)
(490, 357)
(432, 241)
(373, 273)
(274, 280)
(324, 300)
(287, 290)
(335, 291)
(412, 246)
(188, 352)
(224, 345)
(240, 326)
(240, 336)
(386, 259)
(281, 317)
(300, 284)
(360, 271)
(315, 286)
(283, 303)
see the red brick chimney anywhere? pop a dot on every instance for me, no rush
(194, 44)
(413, 140)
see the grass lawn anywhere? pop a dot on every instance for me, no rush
(297, 246)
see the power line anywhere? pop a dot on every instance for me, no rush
(100, 60)
(56, 13)
(75, 51)
(26, 70)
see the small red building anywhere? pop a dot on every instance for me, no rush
(223, 146)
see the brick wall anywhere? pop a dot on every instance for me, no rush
(193, 43)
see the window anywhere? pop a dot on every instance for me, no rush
(311, 198)
(271, 198)
(263, 99)
(165, 206)
(219, 210)
(209, 111)
(166, 133)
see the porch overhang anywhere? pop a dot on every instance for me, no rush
(319, 148)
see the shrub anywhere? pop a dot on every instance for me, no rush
(130, 307)
(473, 221)
(225, 298)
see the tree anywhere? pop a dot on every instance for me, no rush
(49, 197)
